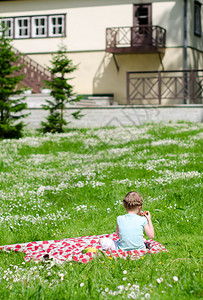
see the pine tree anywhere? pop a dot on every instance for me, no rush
(62, 92)
(10, 107)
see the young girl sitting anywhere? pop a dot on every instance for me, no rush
(130, 226)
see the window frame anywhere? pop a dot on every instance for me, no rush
(10, 28)
(56, 25)
(23, 27)
(34, 26)
(197, 19)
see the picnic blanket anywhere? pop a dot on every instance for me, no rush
(72, 249)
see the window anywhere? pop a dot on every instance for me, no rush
(39, 26)
(22, 26)
(142, 15)
(56, 25)
(34, 26)
(197, 19)
(8, 25)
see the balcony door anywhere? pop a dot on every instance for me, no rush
(142, 25)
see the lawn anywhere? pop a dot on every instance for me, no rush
(72, 184)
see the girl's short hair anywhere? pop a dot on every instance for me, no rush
(132, 200)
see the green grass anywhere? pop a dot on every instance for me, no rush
(68, 185)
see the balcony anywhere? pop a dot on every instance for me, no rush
(137, 39)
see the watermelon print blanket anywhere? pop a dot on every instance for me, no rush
(72, 249)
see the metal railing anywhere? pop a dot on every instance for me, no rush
(161, 87)
(34, 72)
(135, 37)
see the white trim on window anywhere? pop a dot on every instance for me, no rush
(56, 25)
(39, 26)
(22, 27)
(8, 22)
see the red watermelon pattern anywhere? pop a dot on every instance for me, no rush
(70, 249)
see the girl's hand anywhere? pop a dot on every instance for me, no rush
(147, 215)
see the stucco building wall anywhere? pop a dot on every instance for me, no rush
(86, 22)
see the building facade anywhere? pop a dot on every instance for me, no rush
(109, 39)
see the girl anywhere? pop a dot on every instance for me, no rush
(130, 226)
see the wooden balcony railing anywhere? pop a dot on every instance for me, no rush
(141, 39)
(162, 87)
(34, 72)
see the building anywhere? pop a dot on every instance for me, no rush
(109, 39)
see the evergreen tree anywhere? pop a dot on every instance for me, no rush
(62, 92)
(10, 107)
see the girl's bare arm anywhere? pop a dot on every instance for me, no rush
(149, 229)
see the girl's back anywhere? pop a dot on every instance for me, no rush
(130, 230)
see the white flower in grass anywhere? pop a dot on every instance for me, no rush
(120, 287)
(61, 275)
(158, 280)
(147, 295)
(136, 287)
(82, 284)
(132, 295)
(124, 278)
(175, 278)
(125, 272)
(106, 290)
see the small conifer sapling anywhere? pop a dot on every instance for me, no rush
(61, 91)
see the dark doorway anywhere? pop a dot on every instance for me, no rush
(142, 24)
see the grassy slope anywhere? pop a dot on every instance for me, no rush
(59, 186)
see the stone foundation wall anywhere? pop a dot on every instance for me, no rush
(121, 116)
(100, 113)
